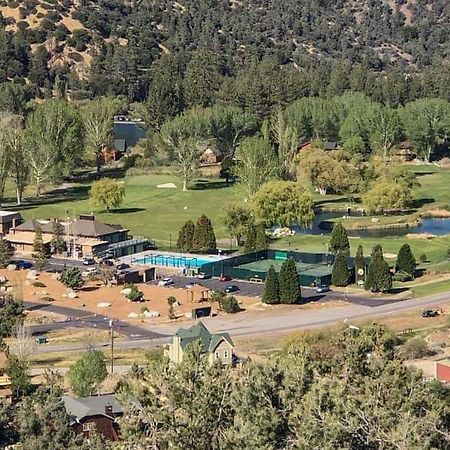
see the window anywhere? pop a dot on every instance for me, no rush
(225, 354)
(87, 426)
(217, 355)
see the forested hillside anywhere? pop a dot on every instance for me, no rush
(115, 47)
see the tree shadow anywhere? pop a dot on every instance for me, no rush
(89, 288)
(419, 202)
(398, 290)
(127, 210)
(204, 185)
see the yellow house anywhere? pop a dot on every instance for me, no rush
(5, 382)
(218, 347)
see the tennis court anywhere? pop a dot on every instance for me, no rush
(313, 270)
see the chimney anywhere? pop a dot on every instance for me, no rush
(109, 410)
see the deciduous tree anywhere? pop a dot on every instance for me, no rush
(256, 164)
(284, 203)
(98, 128)
(87, 373)
(236, 220)
(107, 193)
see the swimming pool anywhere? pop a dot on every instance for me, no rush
(176, 260)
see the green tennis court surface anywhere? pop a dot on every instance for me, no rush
(263, 265)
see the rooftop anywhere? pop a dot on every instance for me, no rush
(200, 332)
(96, 405)
(10, 215)
(444, 362)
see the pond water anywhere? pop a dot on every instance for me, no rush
(436, 226)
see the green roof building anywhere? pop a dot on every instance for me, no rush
(218, 347)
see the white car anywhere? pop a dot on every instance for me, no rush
(90, 272)
(165, 282)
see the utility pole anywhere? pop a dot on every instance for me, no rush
(111, 323)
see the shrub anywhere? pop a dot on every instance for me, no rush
(229, 304)
(135, 295)
(402, 276)
(13, 4)
(217, 295)
(39, 284)
(47, 299)
(414, 348)
(423, 258)
(74, 56)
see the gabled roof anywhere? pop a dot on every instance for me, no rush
(200, 332)
(6, 216)
(79, 408)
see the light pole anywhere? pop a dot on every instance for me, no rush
(111, 326)
(170, 241)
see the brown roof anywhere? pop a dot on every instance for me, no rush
(91, 228)
(80, 227)
(5, 393)
(7, 216)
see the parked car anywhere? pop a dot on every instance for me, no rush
(88, 261)
(107, 262)
(225, 278)
(23, 264)
(122, 266)
(204, 276)
(231, 288)
(91, 271)
(429, 313)
(322, 289)
(54, 270)
(165, 282)
(41, 340)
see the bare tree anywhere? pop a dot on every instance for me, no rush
(22, 344)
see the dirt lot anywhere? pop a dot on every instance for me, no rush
(94, 293)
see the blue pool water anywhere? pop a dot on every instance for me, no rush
(190, 262)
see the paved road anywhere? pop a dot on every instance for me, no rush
(260, 324)
(79, 318)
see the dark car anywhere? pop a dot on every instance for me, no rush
(231, 288)
(88, 261)
(429, 313)
(54, 270)
(23, 264)
(225, 278)
(122, 266)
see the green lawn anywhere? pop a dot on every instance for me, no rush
(159, 213)
(147, 210)
(432, 288)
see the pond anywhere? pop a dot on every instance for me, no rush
(431, 225)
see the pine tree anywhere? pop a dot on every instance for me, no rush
(289, 283)
(204, 239)
(340, 275)
(6, 252)
(57, 243)
(186, 236)
(250, 239)
(40, 254)
(261, 238)
(359, 264)
(339, 240)
(379, 277)
(271, 293)
(405, 260)
(72, 278)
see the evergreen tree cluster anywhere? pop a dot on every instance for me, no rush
(406, 262)
(197, 238)
(339, 240)
(283, 287)
(340, 275)
(379, 276)
(256, 238)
